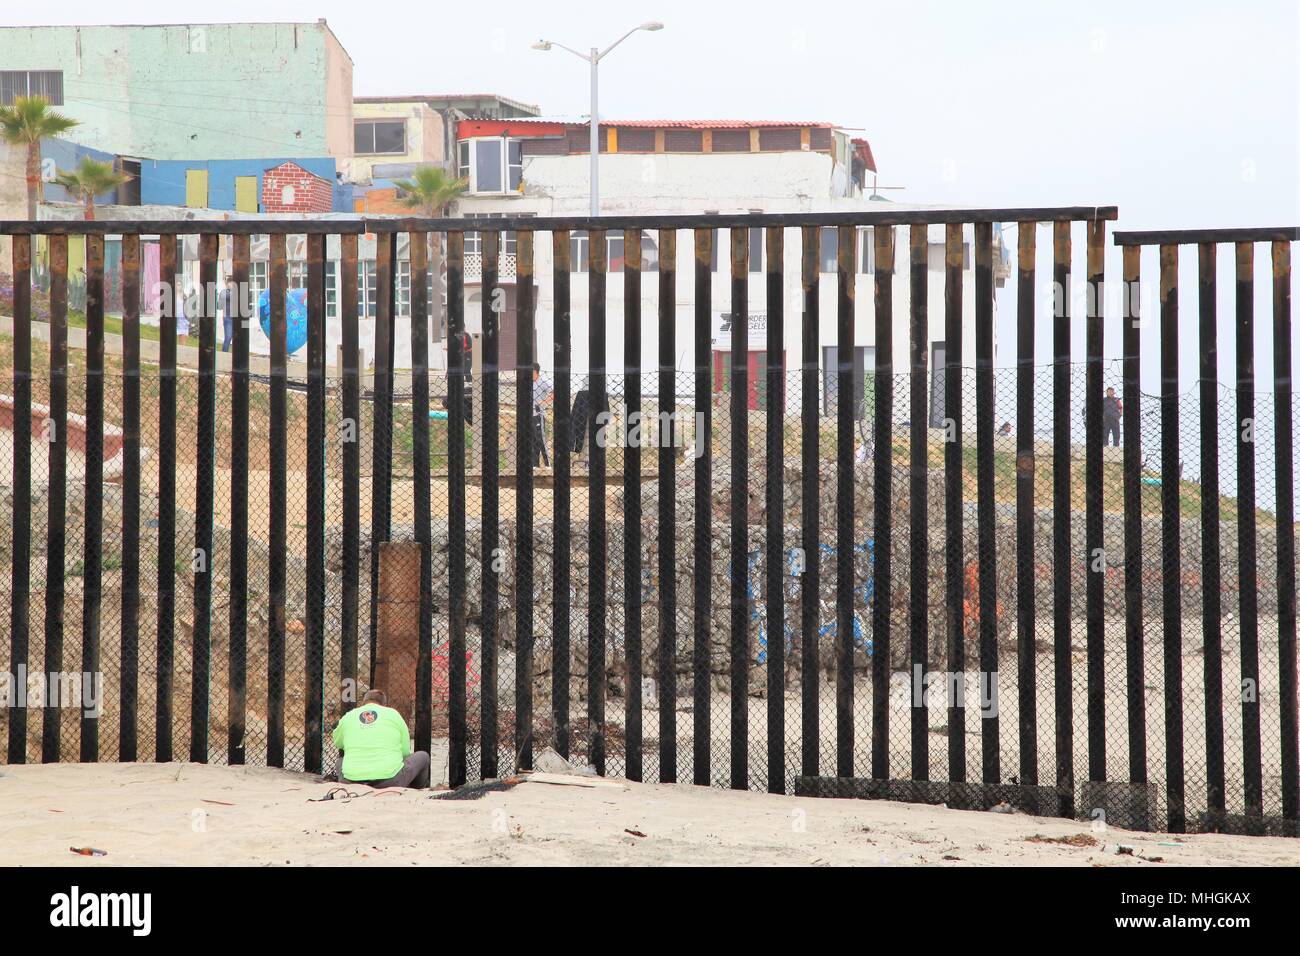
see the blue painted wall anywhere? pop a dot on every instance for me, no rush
(162, 182)
(66, 156)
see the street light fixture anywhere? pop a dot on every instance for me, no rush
(594, 57)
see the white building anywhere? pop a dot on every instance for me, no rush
(523, 167)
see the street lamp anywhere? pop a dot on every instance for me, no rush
(594, 58)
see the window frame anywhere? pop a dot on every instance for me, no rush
(374, 150)
(579, 243)
(509, 171)
(8, 79)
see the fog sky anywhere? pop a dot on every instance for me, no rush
(1183, 114)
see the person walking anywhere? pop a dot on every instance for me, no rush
(543, 395)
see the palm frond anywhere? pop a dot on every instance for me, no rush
(30, 119)
(430, 187)
(91, 178)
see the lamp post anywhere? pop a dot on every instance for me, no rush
(593, 58)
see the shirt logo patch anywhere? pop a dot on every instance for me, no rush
(368, 716)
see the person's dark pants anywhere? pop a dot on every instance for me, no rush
(1111, 428)
(414, 773)
(228, 327)
(539, 441)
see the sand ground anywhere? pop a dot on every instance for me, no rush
(188, 814)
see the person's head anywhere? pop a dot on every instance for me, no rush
(375, 696)
(537, 371)
(1110, 393)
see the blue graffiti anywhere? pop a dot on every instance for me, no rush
(864, 594)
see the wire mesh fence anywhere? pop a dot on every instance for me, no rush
(885, 571)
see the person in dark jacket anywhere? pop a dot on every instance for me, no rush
(578, 418)
(1112, 409)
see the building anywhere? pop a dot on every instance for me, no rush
(449, 107)
(539, 167)
(243, 185)
(390, 132)
(174, 92)
(392, 135)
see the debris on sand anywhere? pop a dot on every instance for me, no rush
(1075, 839)
(575, 780)
(548, 761)
(476, 791)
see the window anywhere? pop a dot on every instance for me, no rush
(404, 288)
(331, 289)
(371, 137)
(257, 279)
(514, 164)
(829, 251)
(509, 239)
(297, 274)
(492, 164)
(649, 254)
(367, 289)
(867, 252)
(939, 256)
(720, 250)
(579, 244)
(46, 83)
(487, 166)
(864, 385)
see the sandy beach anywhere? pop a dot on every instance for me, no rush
(187, 814)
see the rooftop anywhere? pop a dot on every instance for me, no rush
(447, 97)
(666, 123)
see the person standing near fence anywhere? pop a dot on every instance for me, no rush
(543, 395)
(1112, 409)
(225, 300)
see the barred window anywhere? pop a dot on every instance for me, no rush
(46, 83)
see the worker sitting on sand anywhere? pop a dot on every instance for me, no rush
(376, 746)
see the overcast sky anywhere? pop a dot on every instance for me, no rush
(1184, 114)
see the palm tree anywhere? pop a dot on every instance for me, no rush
(92, 178)
(28, 121)
(431, 190)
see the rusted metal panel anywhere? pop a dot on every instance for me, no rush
(953, 506)
(92, 575)
(1095, 574)
(1134, 629)
(846, 405)
(57, 450)
(883, 523)
(457, 545)
(1062, 615)
(525, 453)
(1026, 467)
(1283, 397)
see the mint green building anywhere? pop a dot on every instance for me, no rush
(211, 91)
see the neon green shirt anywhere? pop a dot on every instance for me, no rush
(375, 741)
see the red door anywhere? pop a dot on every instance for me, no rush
(757, 368)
